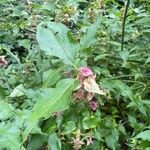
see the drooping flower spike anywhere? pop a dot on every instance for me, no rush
(88, 86)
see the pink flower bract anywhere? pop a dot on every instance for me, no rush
(85, 71)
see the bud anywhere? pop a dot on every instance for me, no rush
(93, 105)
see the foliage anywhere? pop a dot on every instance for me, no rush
(45, 100)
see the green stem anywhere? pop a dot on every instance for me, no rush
(138, 82)
(127, 76)
(123, 25)
(117, 58)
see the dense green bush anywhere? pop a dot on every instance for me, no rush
(65, 82)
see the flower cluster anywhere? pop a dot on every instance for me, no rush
(78, 141)
(88, 87)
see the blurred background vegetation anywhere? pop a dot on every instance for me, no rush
(122, 120)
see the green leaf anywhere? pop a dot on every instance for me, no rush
(53, 40)
(6, 111)
(50, 125)
(69, 127)
(59, 121)
(112, 140)
(141, 108)
(2, 92)
(54, 142)
(143, 21)
(99, 57)
(10, 137)
(25, 43)
(137, 103)
(6, 1)
(18, 91)
(124, 55)
(122, 129)
(117, 87)
(54, 100)
(144, 135)
(123, 88)
(36, 142)
(133, 122)
(50, 77)
(148, 60)
(90, 36)
(8, 50)
(91, 122)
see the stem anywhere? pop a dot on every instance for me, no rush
(117, 58)
(127, 76)
(138, 82)
(123, 25)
